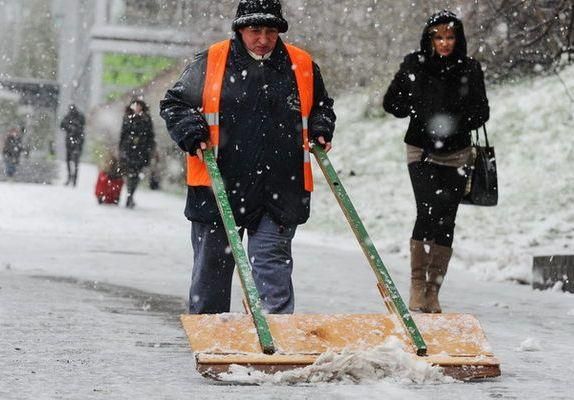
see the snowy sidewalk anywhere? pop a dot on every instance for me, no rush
(90, 297)
(62, 340)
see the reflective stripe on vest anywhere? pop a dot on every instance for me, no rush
(302, 66)
(216, 59)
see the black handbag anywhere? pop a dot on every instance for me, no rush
(483, 180)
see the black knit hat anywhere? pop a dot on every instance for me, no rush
(259, 13)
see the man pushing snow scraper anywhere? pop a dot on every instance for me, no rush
(248, 112)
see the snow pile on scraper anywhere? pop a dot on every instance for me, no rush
(455, 341)
(273, 343)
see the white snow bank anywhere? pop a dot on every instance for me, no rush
(557, 287)
(530, 344)
(387, 362)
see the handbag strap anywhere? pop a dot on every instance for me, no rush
(477, 141)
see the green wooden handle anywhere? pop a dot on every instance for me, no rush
(241, 260)
(393, 298)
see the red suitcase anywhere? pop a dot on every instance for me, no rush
(108, 188)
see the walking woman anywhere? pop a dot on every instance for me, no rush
(442, 91)
(137, 144)
(73, 125)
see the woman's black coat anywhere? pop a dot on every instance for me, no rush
(444, 97)
(137, 142)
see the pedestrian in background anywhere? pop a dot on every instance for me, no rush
(11, 151)
(442, 90)
(137, 144)
(73, 126)
(109, 183)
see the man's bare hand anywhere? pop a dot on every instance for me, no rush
(199, 152)
(326, 145)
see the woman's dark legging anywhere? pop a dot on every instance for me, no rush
(72, 163)
(132, 183)
(438, 192)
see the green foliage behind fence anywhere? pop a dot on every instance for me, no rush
(123, 72)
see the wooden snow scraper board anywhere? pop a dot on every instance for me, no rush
(455, 342)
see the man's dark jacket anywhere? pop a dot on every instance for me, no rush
(73, 124)
(444, 97)
(12, 149)
(260, 151)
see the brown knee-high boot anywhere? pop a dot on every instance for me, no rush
(439, 259)
(419, 263)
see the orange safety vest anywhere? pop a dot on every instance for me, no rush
(302, 66)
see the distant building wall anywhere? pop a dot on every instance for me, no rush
(74, 20)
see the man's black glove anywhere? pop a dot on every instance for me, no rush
(199, 133)
(320, 127)
(192, 142)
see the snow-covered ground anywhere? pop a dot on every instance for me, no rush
(531, 129)
(90, 295)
